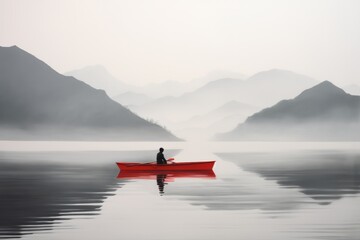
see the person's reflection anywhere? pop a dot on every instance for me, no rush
(160, 179)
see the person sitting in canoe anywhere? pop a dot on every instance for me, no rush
(160, 159)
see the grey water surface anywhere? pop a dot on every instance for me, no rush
(261, 191)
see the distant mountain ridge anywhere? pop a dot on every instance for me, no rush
(260, 90)
(323, 100)
(280, 75)
(254, 90)
(229, 109)
(323, 112)
(97, 76)
(38, 102)
(220, 119)
(132, 99)
(353, 89)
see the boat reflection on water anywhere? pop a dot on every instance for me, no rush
(164, 177)
(160, 180)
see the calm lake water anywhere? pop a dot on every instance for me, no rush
(71, 190)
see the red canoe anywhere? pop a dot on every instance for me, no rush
(169, 175)
(182, 166)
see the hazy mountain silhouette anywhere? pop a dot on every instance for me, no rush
(217, 74)
(36, 102)
(352, 89)
(323, 112)
(163, 89)
(261, 90)
(132, 99)
(269, 87)
(281, 76)
(228, 109)
(97, 76)
(176, 89)
(188, 105)
(220, 119)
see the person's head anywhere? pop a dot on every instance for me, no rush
(161, 149)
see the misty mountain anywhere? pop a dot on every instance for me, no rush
(98, 77)
(323, 112)
(131, 98)
(220, 119)
(217, 74)
(227, 123)
(36, 102)
(163, 89)
(175, 89)
(228, 109)
(261, 90)
(199, 102)
(269, 87)
(352, 89)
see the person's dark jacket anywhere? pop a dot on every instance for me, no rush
(160, 159)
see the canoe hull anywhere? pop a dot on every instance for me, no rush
(170, 175)
(183, 166)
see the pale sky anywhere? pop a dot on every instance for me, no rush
(143, 41)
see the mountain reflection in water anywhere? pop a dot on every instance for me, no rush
(38, 190)
(289, 194)
(277, 182)
(324, 176)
